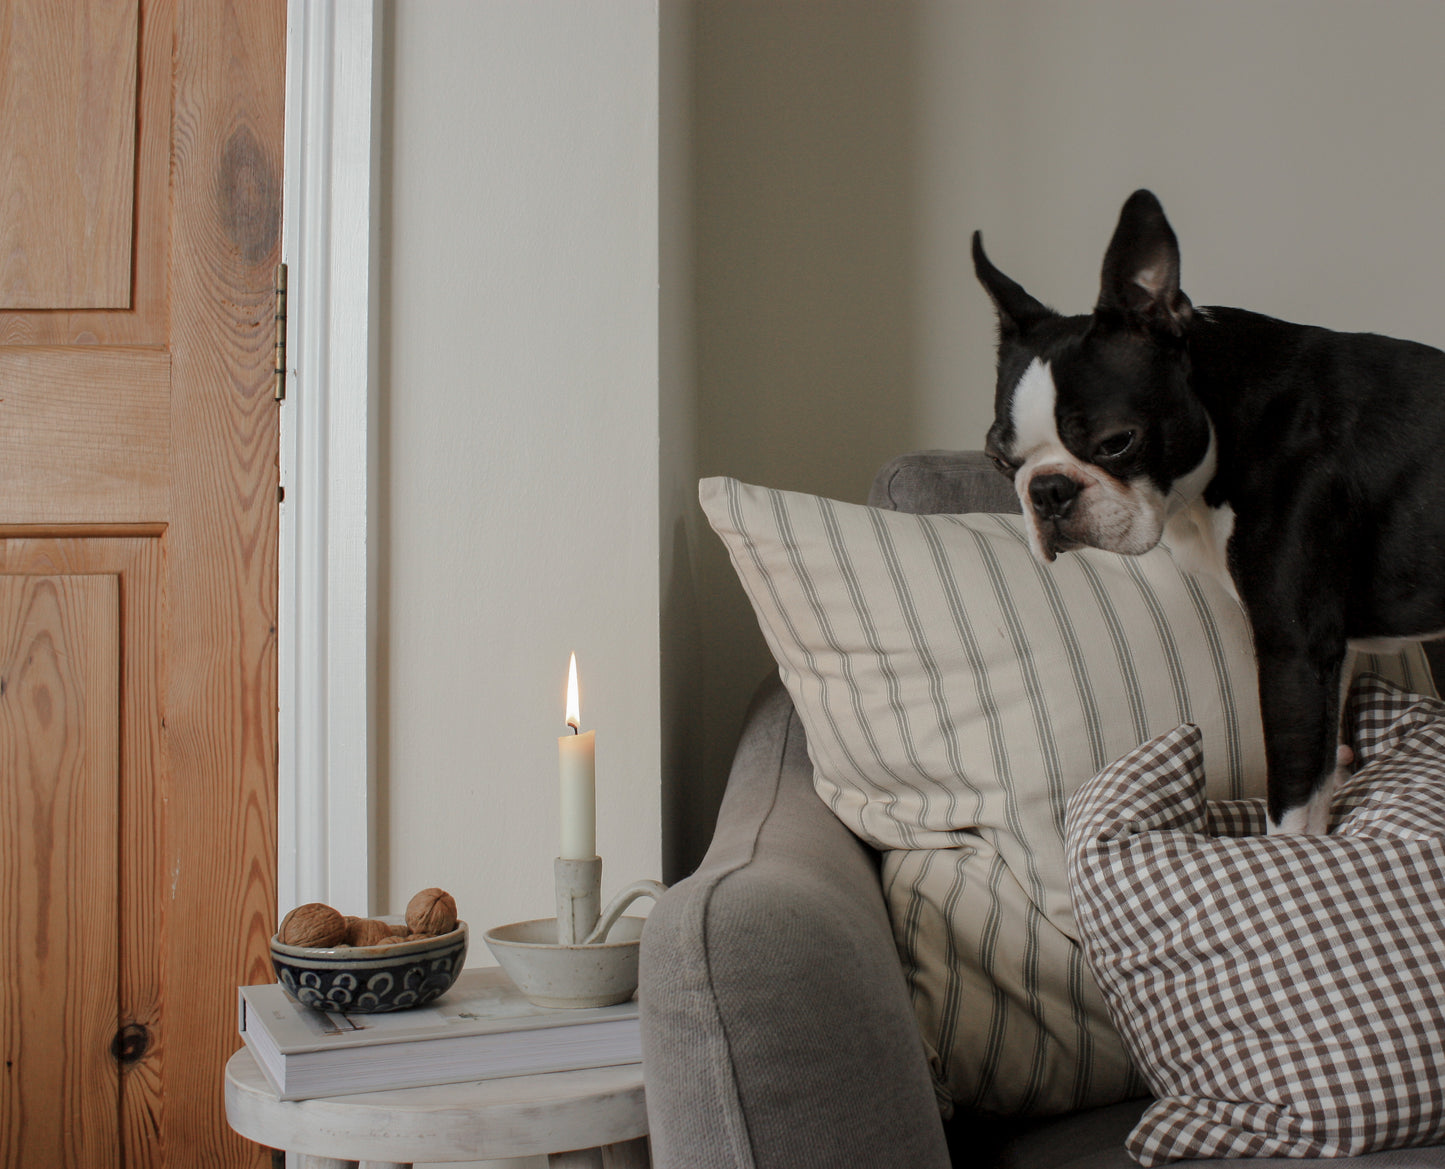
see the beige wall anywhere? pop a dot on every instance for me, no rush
(680, 523)
(845, 150)
(519, 443)
(1296, 145)
(629, 243)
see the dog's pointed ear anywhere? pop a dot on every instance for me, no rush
(1141, 269)
(1017, 310)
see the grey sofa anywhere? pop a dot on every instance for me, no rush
(777, 1028)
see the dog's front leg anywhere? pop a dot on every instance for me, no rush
(1286, 571)
(1299, 702)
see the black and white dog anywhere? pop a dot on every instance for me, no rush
(1306, 467)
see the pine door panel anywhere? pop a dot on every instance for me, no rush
(72, 453)
(59, 888)
(68, 76)
(138, 826)
(138, 445)
(115, 59)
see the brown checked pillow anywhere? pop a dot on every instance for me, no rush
(1282, 996)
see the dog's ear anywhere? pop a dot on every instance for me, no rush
(1017, 310)
(1141, 269)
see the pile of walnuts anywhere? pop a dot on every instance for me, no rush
(429, 913)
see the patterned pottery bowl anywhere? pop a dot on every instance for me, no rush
(369, 979)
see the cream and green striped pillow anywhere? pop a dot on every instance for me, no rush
(954, 693)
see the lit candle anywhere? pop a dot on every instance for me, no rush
(577, 761)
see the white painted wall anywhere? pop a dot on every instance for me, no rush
(519, 435)
(519, 438)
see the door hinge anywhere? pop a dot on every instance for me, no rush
(280, 332)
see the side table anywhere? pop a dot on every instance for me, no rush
(593, 1119)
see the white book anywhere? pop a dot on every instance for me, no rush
(482, 1028)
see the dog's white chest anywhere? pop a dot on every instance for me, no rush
(1198, 535)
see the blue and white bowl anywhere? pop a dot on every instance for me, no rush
(369, 979)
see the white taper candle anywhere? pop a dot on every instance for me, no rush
(577, 767)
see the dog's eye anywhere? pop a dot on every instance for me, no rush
(1116, 445)
(1004, 466)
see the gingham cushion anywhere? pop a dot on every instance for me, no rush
(955, 692)
(1283, 996)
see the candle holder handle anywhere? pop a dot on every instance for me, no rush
(579, 895)
(618, 904)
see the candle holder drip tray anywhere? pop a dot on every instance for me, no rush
(581, 957)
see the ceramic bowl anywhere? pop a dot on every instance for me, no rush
(369, 979)
(568, 976)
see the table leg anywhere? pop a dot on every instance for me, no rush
(633, 1154)
(576, 1159)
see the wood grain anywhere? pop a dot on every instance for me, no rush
(135, 562)
(67, 157)
(59, 756)
(141, 443)
(222, 545)
(84, 435)
(146, 320)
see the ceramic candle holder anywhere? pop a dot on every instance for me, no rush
(580, 958)
(579, 898)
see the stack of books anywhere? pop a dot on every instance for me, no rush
(482, 1028)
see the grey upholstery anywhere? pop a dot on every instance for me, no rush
(942, 482)
(776, 1026)
(772, 991)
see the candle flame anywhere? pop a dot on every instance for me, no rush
(574, 717)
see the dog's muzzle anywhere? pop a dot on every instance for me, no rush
(1053, 496)
(1053, 499)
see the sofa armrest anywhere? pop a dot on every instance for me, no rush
(934, 482)
(777, 1029)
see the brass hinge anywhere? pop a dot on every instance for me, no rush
(280, 332)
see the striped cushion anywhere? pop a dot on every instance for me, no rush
(1283, 995)
(955, 693)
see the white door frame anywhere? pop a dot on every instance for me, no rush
(326, 615)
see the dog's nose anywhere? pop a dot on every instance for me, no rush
(1053, 496)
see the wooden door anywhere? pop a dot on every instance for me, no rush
(140, 214)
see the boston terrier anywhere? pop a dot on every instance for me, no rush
(1303, 466)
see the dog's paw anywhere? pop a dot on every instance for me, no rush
(1306, 820)
(1313, 817)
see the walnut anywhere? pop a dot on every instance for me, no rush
(312, 924)
(432, 911)
(366, 931)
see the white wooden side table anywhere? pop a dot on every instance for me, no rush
(594, 1119)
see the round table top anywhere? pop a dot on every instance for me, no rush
(516, 1116)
